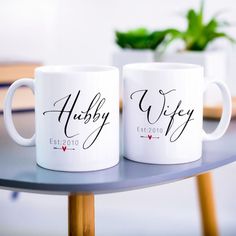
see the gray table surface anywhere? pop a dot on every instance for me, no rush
(18, 169)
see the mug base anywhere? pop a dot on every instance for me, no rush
(164, 162)
(77, 170)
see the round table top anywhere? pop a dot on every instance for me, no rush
(18, 169)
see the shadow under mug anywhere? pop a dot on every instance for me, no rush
(76, 117)
(163, 112)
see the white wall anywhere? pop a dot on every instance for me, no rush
(79, 31)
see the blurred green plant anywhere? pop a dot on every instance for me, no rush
(140, 38)
(196, 37)
(198, 34)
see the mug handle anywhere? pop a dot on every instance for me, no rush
(7, 111)
(226, 115)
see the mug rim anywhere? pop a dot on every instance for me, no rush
(161, 66)
(75, 69)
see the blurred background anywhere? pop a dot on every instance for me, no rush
(82, 32)
(72, 32)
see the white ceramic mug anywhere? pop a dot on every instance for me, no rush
(163, 112)
(76, 117)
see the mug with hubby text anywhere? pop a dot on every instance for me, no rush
(163, 112)
(76, 117)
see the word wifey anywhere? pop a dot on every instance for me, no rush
(178, 117)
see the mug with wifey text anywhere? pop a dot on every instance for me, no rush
(163, 112)
(76, 117)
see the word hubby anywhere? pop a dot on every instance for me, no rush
(177, 113)
(91, 114)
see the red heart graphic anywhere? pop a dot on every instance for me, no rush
(149, 136)
(63, 148)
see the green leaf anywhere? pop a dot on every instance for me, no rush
(156, 38)
(198, 34)
(211, 26)
(140, 38)
(171, 35)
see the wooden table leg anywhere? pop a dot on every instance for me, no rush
(81, 215)
(207, 207)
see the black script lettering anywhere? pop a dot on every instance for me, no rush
(178, 113)
(92, 113)
(62, 111)
(94, 135)
(183, 126)
(148, 110)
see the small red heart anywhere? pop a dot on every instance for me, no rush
(63, 148)
(149, 136)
